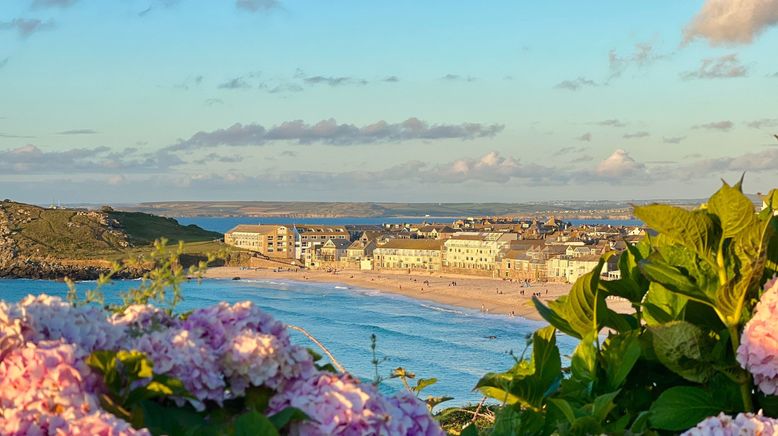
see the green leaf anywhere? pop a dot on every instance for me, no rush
(583, 363)
(632, 285)
(619, 354)
(603, 405)
(171, 421)
(423, 383)
(502, 395)
(105, 363)
(749, 250)
(469, 430)
(258, 398)
(682, 407)
(683, 347)
(254, 423)
(586, 306)
(583, 310)
(674, 279)
(735, 211)
(563, 406)
(528, 382)
(555, 314)
(693, 229)
(135, 364)
(661, 305)
(640, 425)
(432, 402)
(507, 421)
(287, 416)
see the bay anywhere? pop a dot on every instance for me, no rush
(223, 224)
(455, 345)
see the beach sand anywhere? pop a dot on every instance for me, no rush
(480, 293)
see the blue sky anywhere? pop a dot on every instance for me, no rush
(140, 100)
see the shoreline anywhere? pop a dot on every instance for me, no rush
(488, 295)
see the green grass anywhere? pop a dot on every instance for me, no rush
(144, 229)
(75, 234)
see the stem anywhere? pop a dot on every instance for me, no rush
(745, 385)
(321, 346)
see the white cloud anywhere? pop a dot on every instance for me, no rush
(619, 164)
(732, 21)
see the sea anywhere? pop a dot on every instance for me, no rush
(454, 345)
(223, 224)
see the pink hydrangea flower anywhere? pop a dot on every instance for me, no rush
(412, 416)
(758, 350)
(10, 330)
(341, 405)
(259, 359)
(178, 353)
(217, 324)
(47, 389)
(50, 318)
(255, 349)
(98, 423)
(142, 318)
(744, 424)
(45, 378)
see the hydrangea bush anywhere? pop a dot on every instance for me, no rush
(77, 369)
(699, 347)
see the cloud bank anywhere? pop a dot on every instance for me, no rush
(331, 133)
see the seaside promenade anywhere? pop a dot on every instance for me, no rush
(487, 294)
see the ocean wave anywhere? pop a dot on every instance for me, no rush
(342, 287)
(444, 309)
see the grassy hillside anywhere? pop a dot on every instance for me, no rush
(143, 229)
(32, 231)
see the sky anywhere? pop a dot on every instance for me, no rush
(413, 101)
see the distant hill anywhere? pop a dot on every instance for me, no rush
(369, 209)
(582, 209)
(56, 241)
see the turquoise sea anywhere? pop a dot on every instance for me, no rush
(455, 345)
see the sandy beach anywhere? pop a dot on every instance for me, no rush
(480, 293)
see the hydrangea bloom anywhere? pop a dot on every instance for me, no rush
(46, 377)
(218, 323)
(758, 351)
(341, 405)
(259, 359)
(140, 318)
(412, 416)
(50, 318)
(178, 353)
(10, 330)
(97, 423)
(47, 389)
(255, 349)
(743, 424)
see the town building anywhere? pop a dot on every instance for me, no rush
(310, 237)
(269, 240)
(334, 250)
(476, 252)
(569, 269)
(409, 254)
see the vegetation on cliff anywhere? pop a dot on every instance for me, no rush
(53, 243)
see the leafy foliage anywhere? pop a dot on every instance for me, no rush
(670, 362)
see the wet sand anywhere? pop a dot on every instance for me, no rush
(480, 293)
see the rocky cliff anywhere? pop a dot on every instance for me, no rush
(45, 243)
